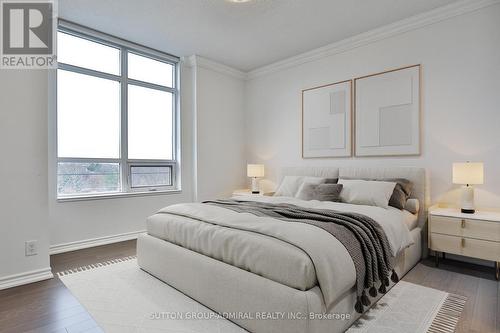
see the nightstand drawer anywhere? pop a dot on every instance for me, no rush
(482, 230)
(466, 246)
(446, 225)
(465, 227)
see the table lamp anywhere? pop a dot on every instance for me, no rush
(468, 174)
(255, 171)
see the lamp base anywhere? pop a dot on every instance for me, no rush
(467, 206)
(255, 186)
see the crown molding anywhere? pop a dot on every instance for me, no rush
(189, 61)
(412, 23)
(399, 27)
(197, 61)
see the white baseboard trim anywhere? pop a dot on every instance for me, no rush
(25, 278)
(86, 243)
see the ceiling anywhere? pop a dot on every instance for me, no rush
(245, 36)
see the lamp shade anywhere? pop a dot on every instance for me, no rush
(255, 170)
(468, 173)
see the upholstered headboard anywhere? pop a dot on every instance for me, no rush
(325, 172)
(415, 175)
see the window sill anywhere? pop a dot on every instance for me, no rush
(88, 197)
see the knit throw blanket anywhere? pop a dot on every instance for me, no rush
(362, 236)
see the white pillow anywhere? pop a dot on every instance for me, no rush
(412, 205)
(366, 192)
(290, 185)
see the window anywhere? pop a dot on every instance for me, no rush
(117, 116)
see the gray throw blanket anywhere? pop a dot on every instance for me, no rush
(362, 236)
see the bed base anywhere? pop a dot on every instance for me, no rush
(228, 289)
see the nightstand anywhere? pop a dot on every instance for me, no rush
(472, 235)
(249, 192)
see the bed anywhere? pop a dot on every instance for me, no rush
(270, 278)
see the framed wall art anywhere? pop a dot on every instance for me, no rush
(387, 113)
(327, 120)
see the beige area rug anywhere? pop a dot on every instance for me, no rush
(409, 307)
(123, 298)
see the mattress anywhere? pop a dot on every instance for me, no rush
(247, 250)
(269, 256)
(411, 220)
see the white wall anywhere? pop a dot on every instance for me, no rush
(221, 164)
(23, 170)
(218, 154)
(460, 59)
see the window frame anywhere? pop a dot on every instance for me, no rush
(124, 162)
(138, 165)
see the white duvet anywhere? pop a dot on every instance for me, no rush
(392, 220)
(292, 253)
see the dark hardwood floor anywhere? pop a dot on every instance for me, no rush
(48, 306)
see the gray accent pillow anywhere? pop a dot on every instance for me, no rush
(401, 193)
(321, 192)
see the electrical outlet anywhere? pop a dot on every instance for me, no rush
(31, 248)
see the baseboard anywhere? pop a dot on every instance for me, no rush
(25, 278)
(86, 243)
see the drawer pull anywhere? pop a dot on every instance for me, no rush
(463, 242)
(463, 224)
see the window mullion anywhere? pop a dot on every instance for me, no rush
(87, 160)
(152, 86)
(176, 121)
(124, 122)
(86, 71)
